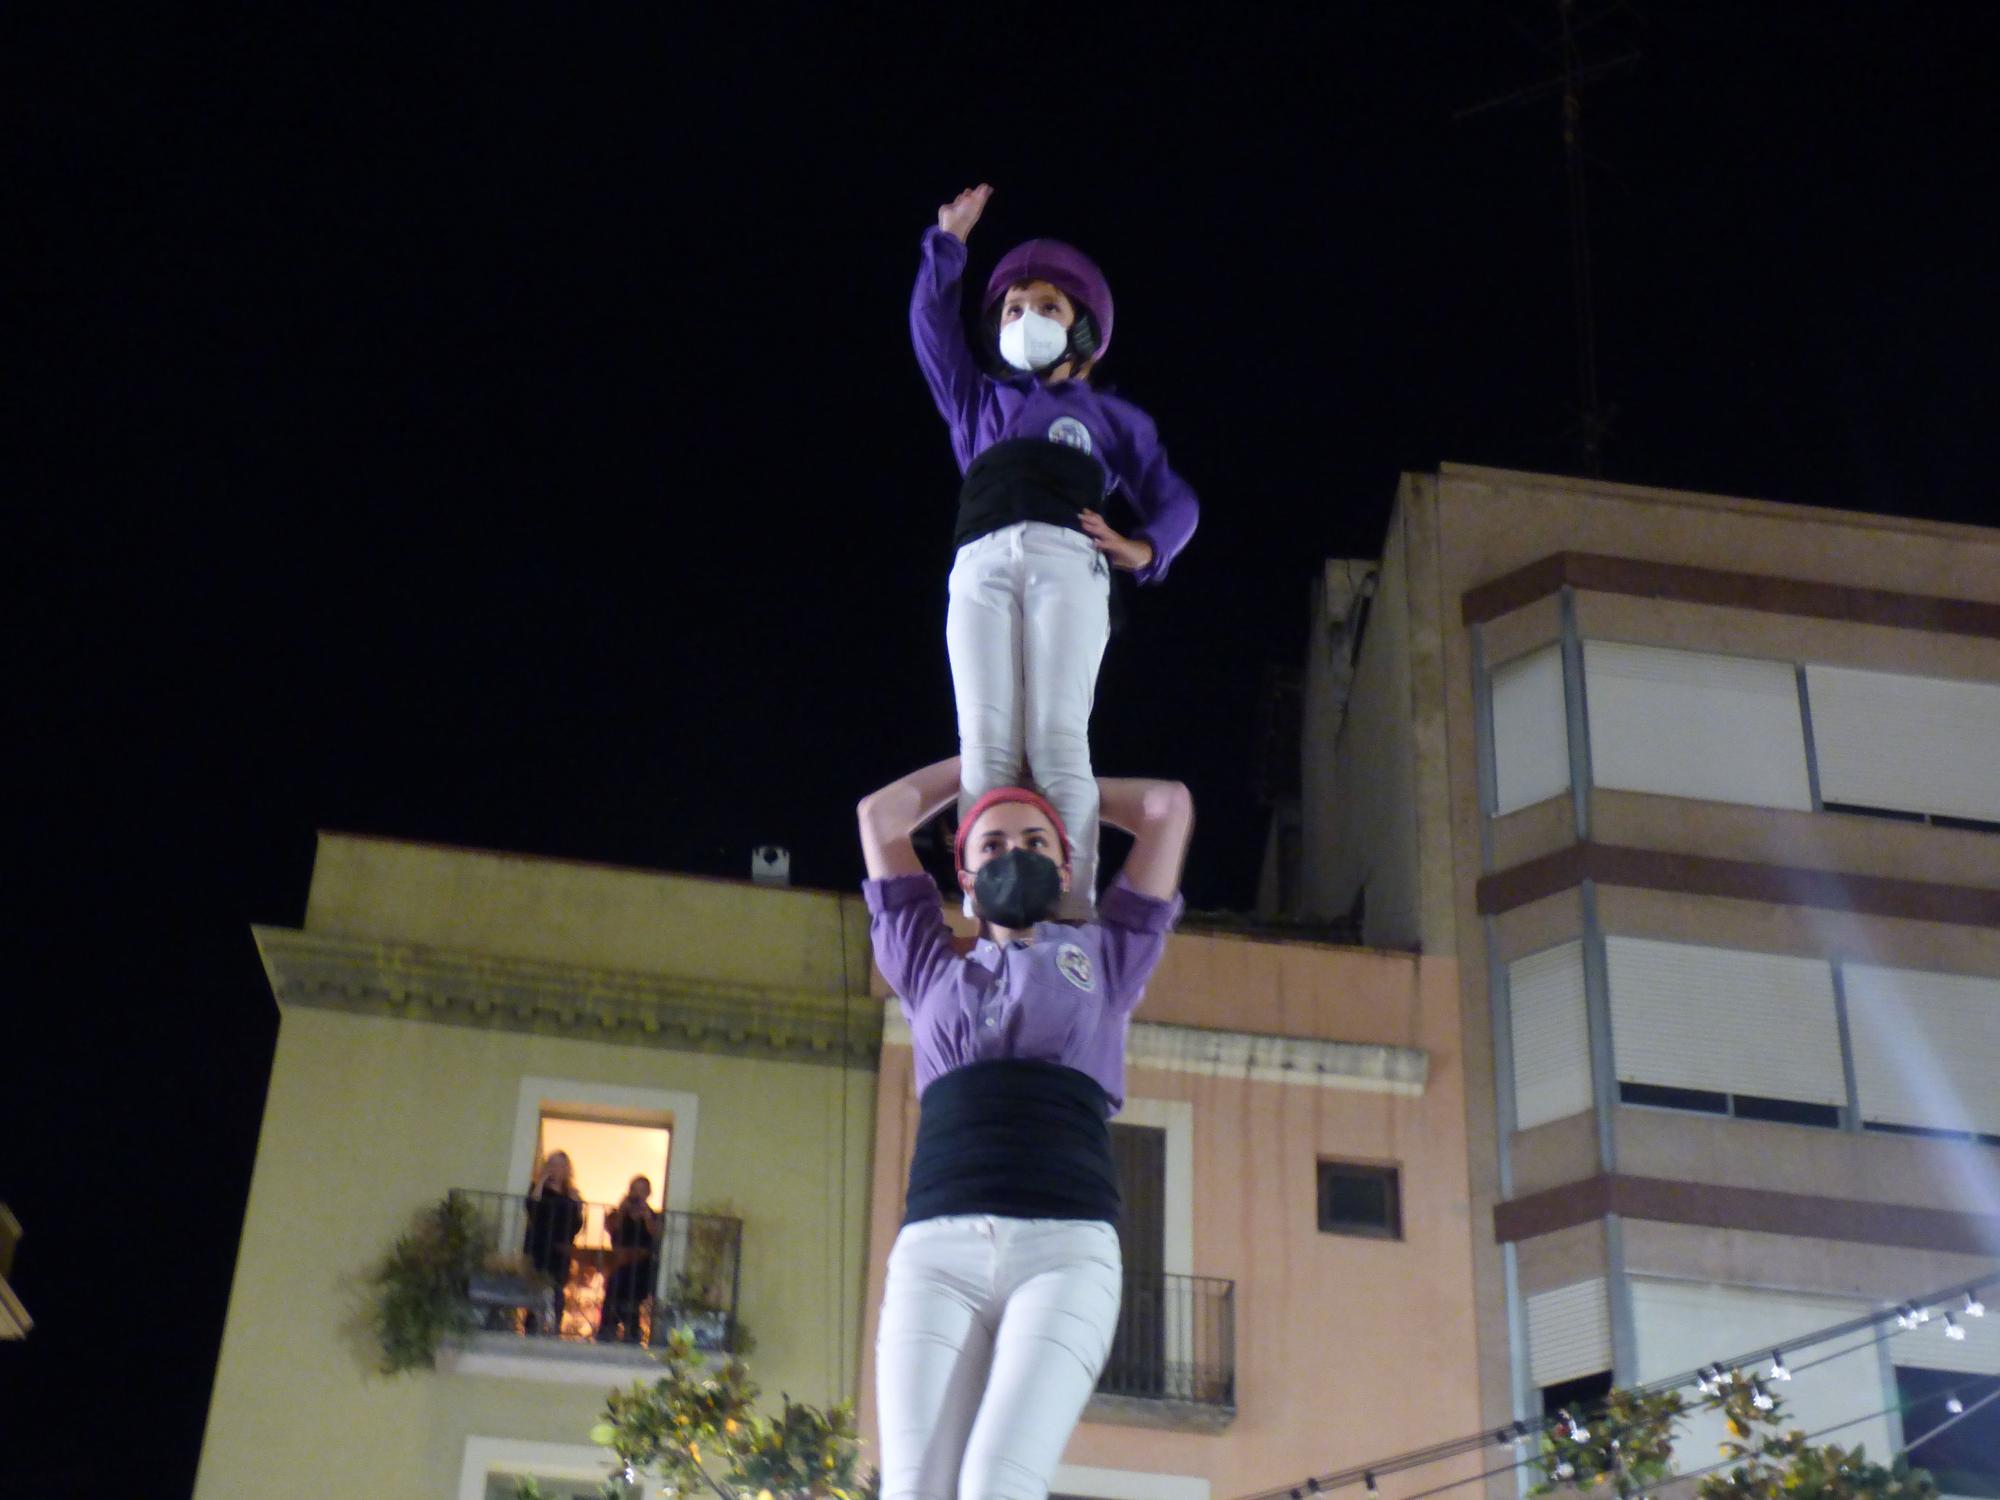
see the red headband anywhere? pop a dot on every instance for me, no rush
(994, 798)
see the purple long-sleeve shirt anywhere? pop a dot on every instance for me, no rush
(982, 411)
(1065, 998)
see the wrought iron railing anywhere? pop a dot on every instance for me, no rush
(1176, 1341)
(606, 1281)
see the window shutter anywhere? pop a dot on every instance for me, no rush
(1569, 1332)
(1926, 1347)
(1690, 724)
(1911, 744)
(1530, 730)
(1690, 1017)
(1680, 1326)
(1926, 1047)
(1551, 1033)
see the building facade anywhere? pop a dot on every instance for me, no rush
(448, 1018)
(1702, 797)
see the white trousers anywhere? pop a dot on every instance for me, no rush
(1028, 618)
(992, 1335)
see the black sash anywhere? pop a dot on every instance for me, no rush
(1024, 1140)
(1026, 479)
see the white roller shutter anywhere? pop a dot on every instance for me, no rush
(1926, 1347)
(1911, 744)
(1530, 730)
(1681, 1326)
(1569, 1332)
(1551, 1034)
(1689, 1017)
(1689, 724)
(1926, 1047)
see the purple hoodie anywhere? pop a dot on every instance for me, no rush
(982, 411)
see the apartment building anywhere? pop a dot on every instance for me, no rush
(1701, 797)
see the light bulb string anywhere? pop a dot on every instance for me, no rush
(1522, 1430)
(1947, 1424)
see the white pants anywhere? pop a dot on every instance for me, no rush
(1029, 614)
(993, 1332)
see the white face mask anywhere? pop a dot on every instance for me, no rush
(1033, 342)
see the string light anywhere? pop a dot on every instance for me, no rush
(1711, 1380)
(1953, 1405)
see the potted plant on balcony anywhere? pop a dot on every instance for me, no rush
(419, 1289)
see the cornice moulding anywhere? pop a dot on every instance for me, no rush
(1370, 1067)
(421, 983)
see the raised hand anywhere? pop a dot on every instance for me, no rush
(1129, 553)
(957, 217)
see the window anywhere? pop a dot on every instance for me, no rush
(1679, 1326)
(1551, 1036)
(1691, 724)
(1923, 745)
(1964, 1459)
(1569, 1333)
(1736, 1106)
(1724, 1021)
(1530, 731)
(1362, 1200)
(1926, 1048)
(1576, 1396)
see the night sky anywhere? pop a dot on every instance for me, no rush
(498, 426)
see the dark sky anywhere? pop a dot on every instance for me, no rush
(496, 426)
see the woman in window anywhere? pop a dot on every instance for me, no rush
(634, 1231)
(554, 1214)
(1004, 1283)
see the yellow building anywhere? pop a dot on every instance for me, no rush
(1702, 796)
(449, 1017)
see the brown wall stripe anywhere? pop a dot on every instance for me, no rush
(1758, 591)
(1758, 1209)
(1784, 885)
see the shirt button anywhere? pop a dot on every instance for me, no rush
(992, 1020)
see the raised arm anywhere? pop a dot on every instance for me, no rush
(890, 816)
(1160, 817)
(936, 327)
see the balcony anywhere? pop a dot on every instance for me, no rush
(1173, 1361)
(614, 1290)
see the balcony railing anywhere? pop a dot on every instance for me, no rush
(604, 1283)
(1176, 1344)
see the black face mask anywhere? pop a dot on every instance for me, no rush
(1018, 888)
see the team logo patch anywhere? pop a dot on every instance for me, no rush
(1075, 966)
(1070, 433)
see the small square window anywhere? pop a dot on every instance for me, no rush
(1357, 1199)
